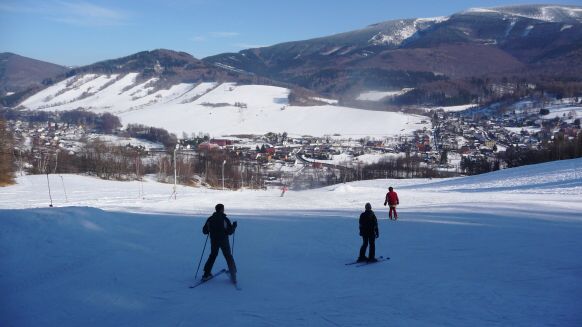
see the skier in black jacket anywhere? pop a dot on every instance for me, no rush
(369, 232)
(219, 228)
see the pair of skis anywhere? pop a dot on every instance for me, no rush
(222, 271)
(365, 263)
(202, 281)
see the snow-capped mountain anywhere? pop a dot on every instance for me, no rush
(434, 59)
(408, 53)
(547, 13)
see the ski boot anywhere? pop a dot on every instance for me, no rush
(206, 276)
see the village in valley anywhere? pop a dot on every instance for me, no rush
(456, 140)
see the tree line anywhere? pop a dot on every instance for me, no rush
(124, 163)
(6, 154)
(101, 123)
(561, 147)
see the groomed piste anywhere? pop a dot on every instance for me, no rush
(499, 249)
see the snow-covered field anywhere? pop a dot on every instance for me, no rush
(380, 95)
(119, 140)
(500, 249)
(456, 108)
(217, 109)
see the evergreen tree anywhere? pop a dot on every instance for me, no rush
(444, 157)
(6, 157)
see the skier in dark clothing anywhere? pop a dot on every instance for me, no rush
(219, 228)
(369, 232)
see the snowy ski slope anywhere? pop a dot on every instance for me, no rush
(499, 249)
(218, 109)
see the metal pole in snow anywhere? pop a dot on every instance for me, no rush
(175, 173)
(223, 163)
(49, 189)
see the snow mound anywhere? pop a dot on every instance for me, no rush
(344, 188)
(561, 177)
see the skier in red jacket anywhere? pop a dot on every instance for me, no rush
(392, 200)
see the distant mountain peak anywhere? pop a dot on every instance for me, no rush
(157, 60)
(547, 13)
(19, 73)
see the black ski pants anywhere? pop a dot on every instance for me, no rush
(371, 240)
(219, 244)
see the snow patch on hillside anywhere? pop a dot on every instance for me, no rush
(549, 13)
(325, 100)
(380, 95)
(125, 141)
(217, 109)
(395, 37)
(457, 108)
(402, 30)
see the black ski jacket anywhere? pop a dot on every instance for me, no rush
(218, 226)
(368, 224)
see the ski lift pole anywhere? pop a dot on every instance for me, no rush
(49, 189)
(64, 189)
(175, 172)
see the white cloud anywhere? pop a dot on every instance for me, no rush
(213, 35)
(224, 34)
(248, 45)
(80, 13)
(198, 38)
(87, 14)
(19, 8)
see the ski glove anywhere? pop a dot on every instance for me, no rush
(205, 229)
(234, 224)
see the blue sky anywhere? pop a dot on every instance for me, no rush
(72, 32)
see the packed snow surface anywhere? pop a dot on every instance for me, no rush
(499, 249)
(217, 109)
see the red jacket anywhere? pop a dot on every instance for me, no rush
(392, 198)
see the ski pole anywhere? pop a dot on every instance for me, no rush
(201, 256)
(232, 251)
